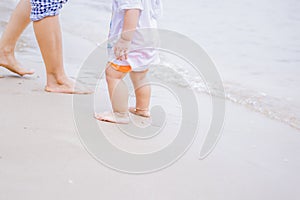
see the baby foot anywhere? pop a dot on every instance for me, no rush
(113, 117)
(140, 112)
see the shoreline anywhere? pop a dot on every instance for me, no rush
(258, 100)
(42, 157)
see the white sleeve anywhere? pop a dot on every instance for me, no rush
(130, 4)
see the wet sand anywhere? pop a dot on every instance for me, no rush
(41, 156)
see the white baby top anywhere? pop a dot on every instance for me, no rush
(139, 58)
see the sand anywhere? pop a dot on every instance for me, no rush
(41, 156)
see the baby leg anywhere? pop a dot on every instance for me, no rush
(142, 92)
(118, 93)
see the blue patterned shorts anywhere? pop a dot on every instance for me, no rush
(45, 8)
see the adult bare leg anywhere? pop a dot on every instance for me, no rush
(48, 35)
(19, 20)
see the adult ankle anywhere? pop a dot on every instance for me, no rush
(56, 78)
(7, 50)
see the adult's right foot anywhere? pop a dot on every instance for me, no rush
(8, 61)
(66, 86)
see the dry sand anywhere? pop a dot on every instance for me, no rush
(41, 156)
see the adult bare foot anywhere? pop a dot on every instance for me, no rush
(8, 61)
(113, 117)
(67, 86)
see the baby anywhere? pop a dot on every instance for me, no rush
(130, 18)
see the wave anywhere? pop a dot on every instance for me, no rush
(272, 107)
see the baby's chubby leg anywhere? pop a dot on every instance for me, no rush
(118, 93)
(142, 92)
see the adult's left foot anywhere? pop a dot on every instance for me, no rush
(8, 61)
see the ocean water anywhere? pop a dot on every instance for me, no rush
(255, 45)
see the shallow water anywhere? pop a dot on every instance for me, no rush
(255, 45)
